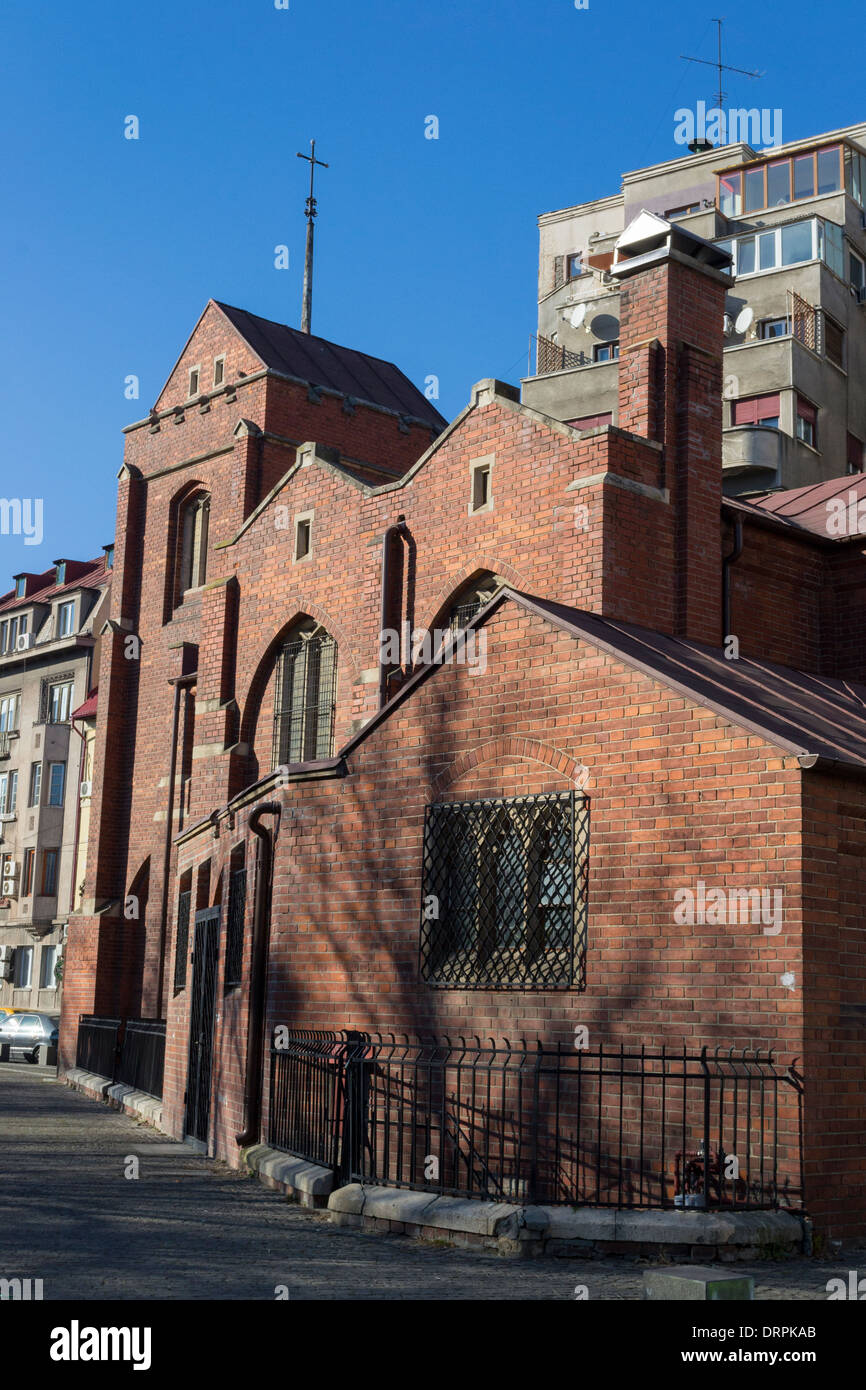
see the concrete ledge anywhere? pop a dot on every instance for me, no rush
(565, 1231)
(120, 1097)
(297, 1178)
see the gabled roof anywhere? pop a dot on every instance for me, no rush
(809, 716)
(90, 574)
(335, 368)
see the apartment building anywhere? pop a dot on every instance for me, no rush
(49, 626)
(792, 220)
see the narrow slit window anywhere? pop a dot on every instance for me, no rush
(303, 537)
(481, 491)
(194, 377)
(219, 371)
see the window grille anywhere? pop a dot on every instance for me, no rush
(304, 699)
(504, 893)
(235, 928)
(181, 950)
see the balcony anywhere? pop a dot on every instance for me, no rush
(6, 742)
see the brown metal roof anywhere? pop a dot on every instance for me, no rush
(88, 575)
(807, 507)
(805, 714)
(810, 716)
(326, 364)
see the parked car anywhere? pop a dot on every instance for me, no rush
(23, 1034)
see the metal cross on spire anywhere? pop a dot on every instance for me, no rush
(722, 67)
(306, 312)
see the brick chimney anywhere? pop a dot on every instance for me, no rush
(672, 293)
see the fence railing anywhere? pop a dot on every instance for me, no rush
(97, 1046)
(617, 1127)
(131, 1051)
(553, 357)
(142, 1055)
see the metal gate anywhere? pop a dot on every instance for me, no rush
(200, 1064)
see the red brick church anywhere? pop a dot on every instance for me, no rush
(495, 729)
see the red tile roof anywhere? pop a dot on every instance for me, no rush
(90, 574)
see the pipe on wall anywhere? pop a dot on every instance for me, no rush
(397, 529)
(180, 683)
(258, 974)
(727, 562)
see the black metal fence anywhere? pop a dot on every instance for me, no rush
(142, 1055)
(130, 1051)
(617, 1127)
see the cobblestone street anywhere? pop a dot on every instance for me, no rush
(188, 1228)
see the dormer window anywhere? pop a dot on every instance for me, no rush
(60, 572)
(194, 379)
(109, 556)
(66, 619)
(20, 585)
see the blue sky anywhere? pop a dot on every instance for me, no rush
(426, 249)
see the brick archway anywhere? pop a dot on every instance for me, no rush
(495, 749)
(484, 564)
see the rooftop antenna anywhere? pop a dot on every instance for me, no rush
(697, 145)
(307, 309)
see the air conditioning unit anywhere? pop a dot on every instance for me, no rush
(86, 788)
(10, 888)
(24, 641)
(10, 868)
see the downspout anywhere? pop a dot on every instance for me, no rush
(397, 529)
(258, 975)
(727, 562)
(77, 830)
(179, 683)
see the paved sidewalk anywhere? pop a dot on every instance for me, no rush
(189, 1228)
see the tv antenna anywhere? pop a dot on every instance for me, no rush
(719, 65)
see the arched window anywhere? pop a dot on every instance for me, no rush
(192, 536)
(304, 696)
(472, 599)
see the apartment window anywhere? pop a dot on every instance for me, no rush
(855, 175)
(65, 619)
(757, 410)
(304, 698)
(11, 630)
(481, 486)
(812, 239)
(574, 264)
(508, 881)
(194, 378)
(807, 419)
(59, 702)
(303, 537)
(56, 783)
(194, 523)
(605, 352)
(219, 370)
(854, 454)
(35, 784)
(8, 792)
(834, 342)
(856, 271)
(23, 967)
(774, 328)
(674, 214)
(27, 875)
(48, 886)
(47, 967)
(10, 708)
(776, 182)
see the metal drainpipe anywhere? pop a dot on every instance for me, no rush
(258, 975)
(179, 683)
(77, 830)
(397, 529)
(727, 562)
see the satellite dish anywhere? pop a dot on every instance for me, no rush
(605, 327)
(578, 315)
(744, 319)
